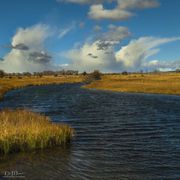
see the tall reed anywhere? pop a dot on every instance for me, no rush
(22, 130)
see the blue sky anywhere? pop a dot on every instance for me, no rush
(73, 22)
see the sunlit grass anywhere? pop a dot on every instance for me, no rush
(7, 84)
(160, 83)
(21, 130)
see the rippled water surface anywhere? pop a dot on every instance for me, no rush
(118, 135)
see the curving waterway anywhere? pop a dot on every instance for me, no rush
(118, 135)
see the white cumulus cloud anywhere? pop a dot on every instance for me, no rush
(98, 54)
(122, 11)
(137, 4)
(98, 12)
(88, 58)
(34, 58)
(161, 65)
(137, 51)
(131, 57)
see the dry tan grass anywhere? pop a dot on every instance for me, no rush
(160, 83)
(22, 130)
(7, 84)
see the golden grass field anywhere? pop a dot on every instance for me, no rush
(7, 84)
(158, 83)
(22, 130)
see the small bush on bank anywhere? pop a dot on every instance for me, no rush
(84, 73)
(96, 75)
(124, 73)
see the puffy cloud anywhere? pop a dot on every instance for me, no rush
(40, 57)
(137, 51)
(98, 54)
(98, 12)
(121, 11)
(18, 61)
(34, 58)
(162, 65)
(88, 58)
(93, 56)
(21, 46)
(132, 57)
(33, 37)
(137, 4)
(112, 37)
(104, 45)
(115, 34)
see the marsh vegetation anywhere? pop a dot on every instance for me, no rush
(159, 83)
(22, 130)
(10, 82)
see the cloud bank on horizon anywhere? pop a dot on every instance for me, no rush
(132, 57)
(110, 49)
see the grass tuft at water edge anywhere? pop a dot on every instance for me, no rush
(22, 130)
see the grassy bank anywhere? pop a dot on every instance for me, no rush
(160, 83)
(7, 83)
(22, 130)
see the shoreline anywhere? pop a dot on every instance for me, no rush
(129, 92)
(162, 84)
(24, 131)
(15, 83)
(37, 131)
(132, 83)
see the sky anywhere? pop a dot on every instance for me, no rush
(85, 35)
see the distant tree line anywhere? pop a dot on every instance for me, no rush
(91, 76)
(39, 74)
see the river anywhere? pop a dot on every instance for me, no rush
(118, 135)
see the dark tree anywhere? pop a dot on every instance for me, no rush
(96, 75)
(124, 73)
(84, 73)
(2, 73)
